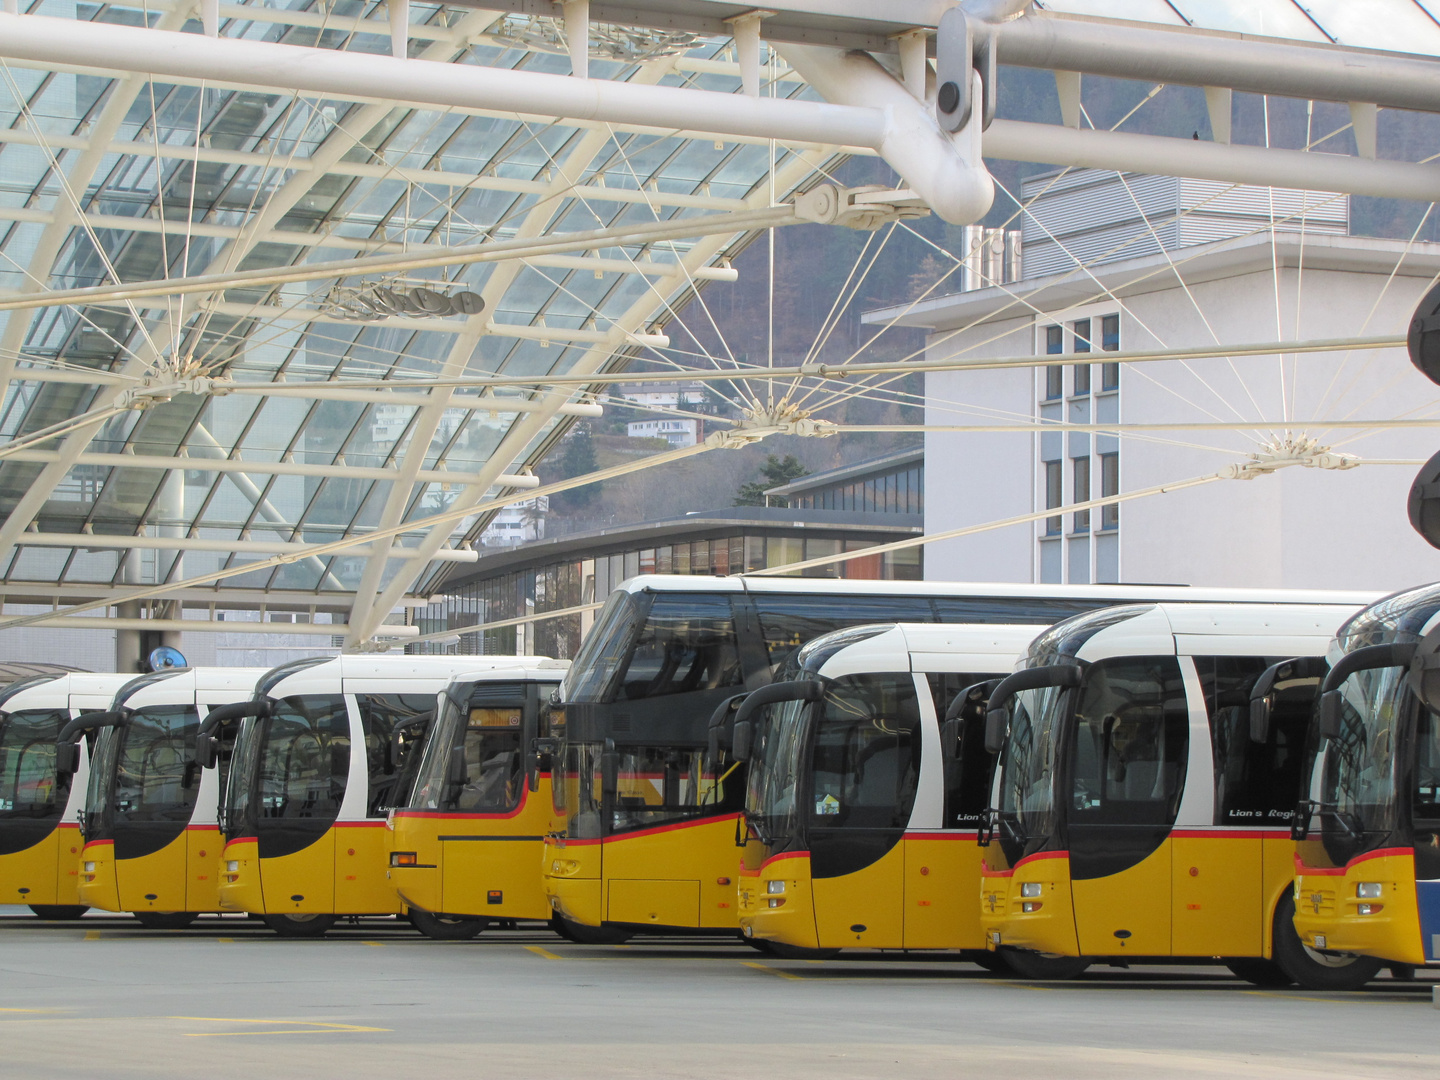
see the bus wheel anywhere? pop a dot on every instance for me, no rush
(59, 911)
(799, 952)
(990, 961)
(1033, 965)
(300, 925)
(588, 935)
(1402, 972)
(1316, 970)
(1258, 972)
(758, 944)
(166, 920)
(446, 927)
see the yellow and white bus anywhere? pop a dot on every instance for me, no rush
(39, 805)
(1367, 857)
(465, 846)
(313, 780)
(152, 845)
(864, 795)
(638, 789)
(1134, 815)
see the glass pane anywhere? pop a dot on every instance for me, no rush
(687, 643)
(787, 622)
(27, 764)
(379, 713)
(305, 764)
(866, 753)
(157, 778)
(656, 785)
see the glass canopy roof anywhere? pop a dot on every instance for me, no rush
(106, 179)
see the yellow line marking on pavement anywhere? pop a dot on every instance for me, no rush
(376, 944)
(226, 940)
(92, 935)
(775, 971)
(545, 954)
(302, 1027)
(33, 1010)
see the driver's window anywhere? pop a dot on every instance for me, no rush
(866, 755)
(494, 772)
(686, 644)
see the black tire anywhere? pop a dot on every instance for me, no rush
(59, 912)
(166, 920)
(588, 935)
(990, 962)
(1033, 965)
(760, 945)
(1259, 972)
(799, 952)
(1316, 970)
(300, 926)
(446, 927)
(1402, 972)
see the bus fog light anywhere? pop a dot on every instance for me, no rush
(773, 887)
(1319, 941)
(404, 858)
(89, 868)
(1030, 888)
(232, 866)
(1031, 905)
(1368, 890)
(1370, 909)
(777, 901)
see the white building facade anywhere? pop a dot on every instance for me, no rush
(1299, 527)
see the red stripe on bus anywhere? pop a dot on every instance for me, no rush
(669, 828)
(1042, 855)
(242, 840)
(202, 828)
(97, 843)
(1337, 871)
(1230, 834)
(68, 825)
(785, 855)
(447, 815)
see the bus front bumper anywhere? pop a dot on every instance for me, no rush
(778, 904)
(1368, 908)
(1030, 907)
(99, 884)
(240, 877)
(572, 884)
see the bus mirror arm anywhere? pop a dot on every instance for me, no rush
(541, 751)
(1300, 820)
(1424, 675)
(719, 731)
(67, 743)
(1330, 709)
(419, 720)
(1262, 699)
(743, 728)
(207, 741)
(997, 715)
(67, 758)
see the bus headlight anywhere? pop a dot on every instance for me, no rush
(404, 858)
(773, 887)
(1029, 888)
(89, 868)
(232, 866)
(1368, 890)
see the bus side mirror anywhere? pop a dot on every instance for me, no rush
(207, 751)
(1260, 720)
(456, 771)
(997, 721)
(740, 741)
(67, 758)
(542, 755)
(1330, 714)
(1425, 671)
(609, 771)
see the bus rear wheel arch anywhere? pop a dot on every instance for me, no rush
(446, 927)
(1316, 970)
(1033, 965)
(59, 912)
(300, 924)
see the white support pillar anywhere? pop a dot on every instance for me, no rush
(210, 17)
(399, 28)
(1365, 119)
(1067, 84)
(577, 36)
(1218, 101)
(746, 30)
(914, 62)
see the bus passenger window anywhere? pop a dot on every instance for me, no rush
(787, 622)
(1132, 734)
(967, 788)
(494, 772)
(687, 644)
(306, 758)
(379, 713)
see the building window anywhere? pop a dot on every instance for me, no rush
(1109, 485)
(1054, 344)
(1082, 380)
(1081, 475)
(1054, 496)
(1110, 342)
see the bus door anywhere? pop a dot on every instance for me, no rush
(865, 769)
(156, 785)
(1130, 741)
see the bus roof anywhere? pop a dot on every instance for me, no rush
(369, 666)
(162, 687)
(544, 671)
(926, 647)
(736, 583)
(56, 692)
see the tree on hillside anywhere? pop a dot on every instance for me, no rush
(577, 457)
(776, 471)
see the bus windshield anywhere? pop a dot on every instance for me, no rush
(28, 787)
(1028, 769)
(1358, 784)
(603, 650)
(236, 800)
(485, 727)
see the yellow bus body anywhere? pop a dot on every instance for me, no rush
(483, 866)
(1327, 906)
(47, 872)
(184, 875)
(341, 872)
(1200, 893)
(668, 877)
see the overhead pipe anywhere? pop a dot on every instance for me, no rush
(874, 111)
